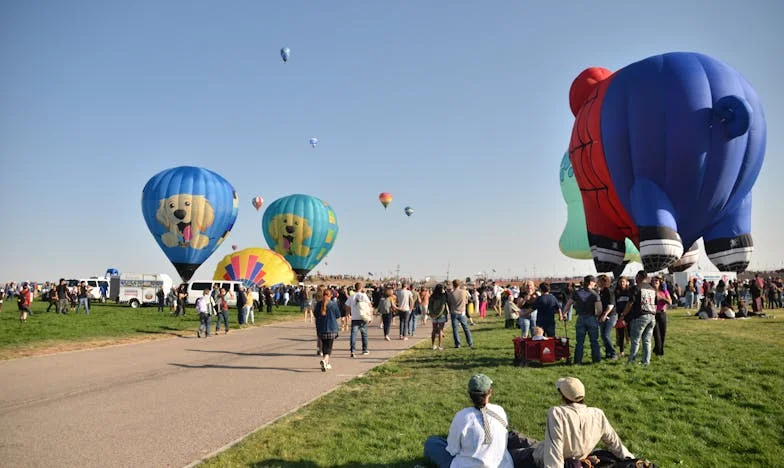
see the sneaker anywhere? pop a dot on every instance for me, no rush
(328, 366)
(440, 348)
(387, 338)
(435, 347)
(319, 352)
(323, 366)
(365, 353)
(352, 355)
(405, 338)
(198, 333)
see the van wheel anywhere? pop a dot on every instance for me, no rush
(135, 304)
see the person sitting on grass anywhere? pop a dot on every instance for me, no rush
(726, 311)
(707, 308)
(572, 432)
(477, 435)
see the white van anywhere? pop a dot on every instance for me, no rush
(94, 283)
(196, 289)
(137, 289)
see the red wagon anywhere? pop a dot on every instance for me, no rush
(549, 350)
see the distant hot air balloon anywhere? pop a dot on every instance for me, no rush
(313, 142)
(257, 202)
(284, 54)
(574, 239)
(189, 211)
(302, 228)
(385, 198)
(408, 211)
(233, 246)
(255, 267)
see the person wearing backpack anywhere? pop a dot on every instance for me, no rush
(360, 307)
(205, 306)
(588, 305)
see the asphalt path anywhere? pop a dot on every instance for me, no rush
(168, 402)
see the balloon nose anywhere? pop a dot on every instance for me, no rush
(179, 214)
(290, 229)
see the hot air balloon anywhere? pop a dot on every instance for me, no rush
(408, 211)
(313, 142)
(665, 151)
(189, 211)
(302, 228)
(284, 54)
(574, 239)
(233, 246)
(255, 267)
(385, 198)
(257, 202)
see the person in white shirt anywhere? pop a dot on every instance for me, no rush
(404, 303)
(477, 435)
(357, 322)
(573, 430)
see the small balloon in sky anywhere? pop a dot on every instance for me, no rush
(257, 202)
(385, 198)
(313, 141)
(408, 211)
(284, 54)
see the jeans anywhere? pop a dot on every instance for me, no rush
(607, 328)
(222, 315)
(718, 298)
(435, 451)
(590, 325)
(525, 326)
(641, 327)
(360, 325)
(689, 300)
(412, 320)
(463, 321)
(83, 301)
(205, 321)
(403, 315)
(549, 329)
(659, 332)
(386, 319)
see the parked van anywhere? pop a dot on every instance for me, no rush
(94, 283)
(138, 289)
(196, 289)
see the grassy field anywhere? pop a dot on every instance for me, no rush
(715, 399)
(107, 324)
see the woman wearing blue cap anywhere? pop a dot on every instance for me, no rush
(477, 435)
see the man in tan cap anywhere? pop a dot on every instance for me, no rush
(562, 440)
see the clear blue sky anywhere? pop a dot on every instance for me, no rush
(457, 108)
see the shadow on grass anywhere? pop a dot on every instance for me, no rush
(221, 366)
(277, 463)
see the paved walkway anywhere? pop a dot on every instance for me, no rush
(168, 402)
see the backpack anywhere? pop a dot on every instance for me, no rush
(364, 307)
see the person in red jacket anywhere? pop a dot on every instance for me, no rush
(24, 300)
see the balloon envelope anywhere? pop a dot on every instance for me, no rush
(408, 211)
(255, 267)
(574, 239)
(302, 228)
(313, 142)
(189, 211)
(257, 202)
(385, 198)
(284, 54)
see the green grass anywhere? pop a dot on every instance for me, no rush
(715, 399)
(106, 324)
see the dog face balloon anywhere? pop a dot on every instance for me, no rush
(189, 211)
(302, 228)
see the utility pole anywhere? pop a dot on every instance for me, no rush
(448, 265)
(397, 272)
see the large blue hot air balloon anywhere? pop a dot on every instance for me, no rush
(284, 54)
(302, 228)
(190, 211)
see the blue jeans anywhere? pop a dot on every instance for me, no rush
(607, 328)
(205, 321)
(590, 325)
(83, 301)
(222, 315)
(463, 321)
(525, 326)
(386, 319)
(412, 320)
(641, 327)
(435, 451)
(689, 299)
(403, 315)
(360, 325)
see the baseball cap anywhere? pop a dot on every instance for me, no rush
(571, 388)
(479, 383)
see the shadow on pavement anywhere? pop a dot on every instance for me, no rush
(220, 366)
